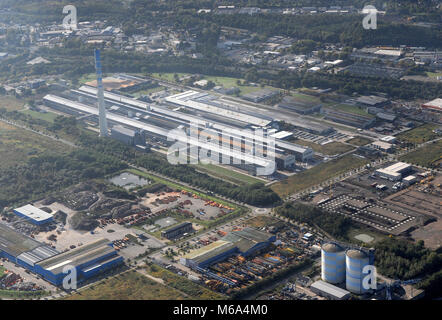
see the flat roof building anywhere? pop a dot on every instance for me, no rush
(395, 171)
(329, 291)
(34, 215)
(244, 242)
(177, 231)
(383, 146)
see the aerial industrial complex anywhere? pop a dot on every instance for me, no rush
(38, 258)
(203, 116)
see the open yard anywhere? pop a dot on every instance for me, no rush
(182, 284)
(128, 286)
(317, 175)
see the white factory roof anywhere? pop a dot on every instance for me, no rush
(196, 120)
(382, 145)
(410, 178)
(330, 289)
(188, 99)
(33, 213)
(389, 139)
(434, 103)
(162, 132)
(398, 167)
(282, 135)
(389, 173)
(394, 53)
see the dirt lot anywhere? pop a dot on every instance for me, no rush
(431, 234)
(421, 198)
(197, 207)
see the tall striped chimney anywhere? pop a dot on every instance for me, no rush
(100, 95)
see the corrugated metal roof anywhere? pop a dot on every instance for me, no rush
(330, 289)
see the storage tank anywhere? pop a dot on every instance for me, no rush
(355, 261)
(332, 263)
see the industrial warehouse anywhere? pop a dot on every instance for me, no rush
(201, 125)
(244, 242)
(34, 215)
(88, 260)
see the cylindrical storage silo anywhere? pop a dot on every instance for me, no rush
(332, 263)
(355, 261)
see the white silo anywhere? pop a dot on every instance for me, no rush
(355, 261)
(332, 263)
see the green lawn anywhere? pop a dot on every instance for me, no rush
(359, 141)
(316, 175)
(87, 77)
(332, 148)
(128, 286)
(351, 109)
(428, 156)
(48, 116)
(305, 98)
(419, 135)
(225, 173)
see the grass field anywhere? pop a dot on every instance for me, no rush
(434, 75)
(419, 135)
(229, 175)
(18, 145)
(13, 294)
(332, 148)
(184, 285)
(11, 103)
(2, 271)
(428, 156)
(148, 91)
(356, 230)
(359, 141)
(317, 175)
(261, 221)
(48, 116)
(305, 98)
(87, 77)
(128, 286)
(226, 82)
(351, 109)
